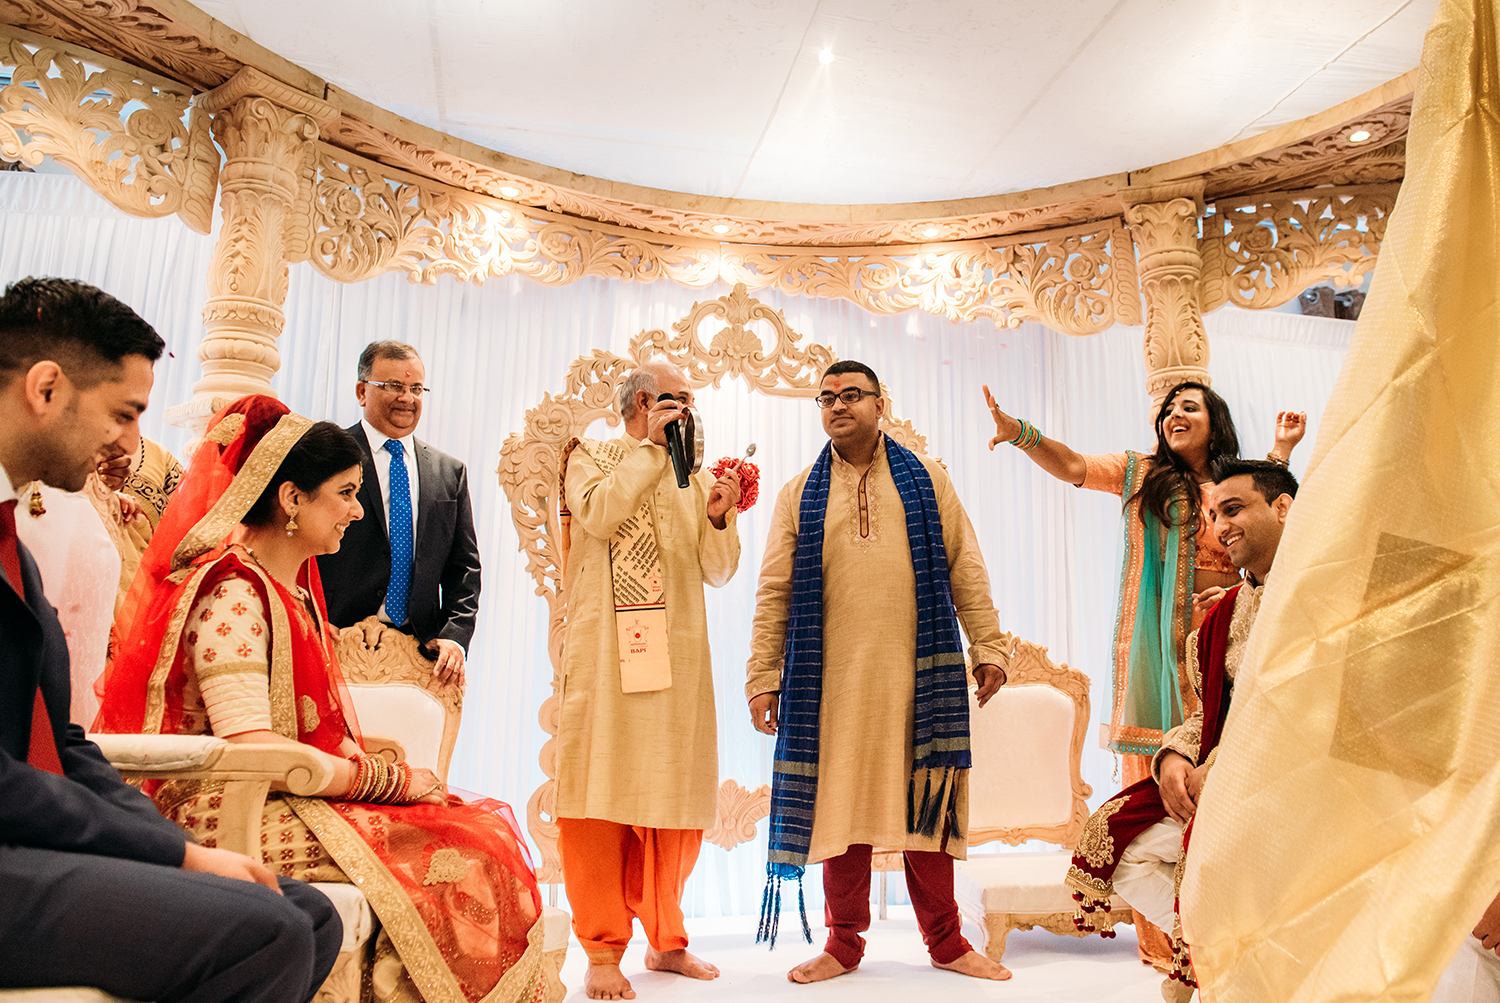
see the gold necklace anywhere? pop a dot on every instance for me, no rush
(295, 590)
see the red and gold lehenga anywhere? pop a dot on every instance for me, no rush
(452, 886)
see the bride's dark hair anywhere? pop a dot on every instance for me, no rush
(1170, 477)
(323, 451)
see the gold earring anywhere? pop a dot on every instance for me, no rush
(291, 523)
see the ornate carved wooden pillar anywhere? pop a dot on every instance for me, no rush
(268, 131)
(1164, 225)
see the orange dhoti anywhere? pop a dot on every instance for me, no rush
(616, 874)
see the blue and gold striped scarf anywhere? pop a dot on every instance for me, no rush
(940, 739)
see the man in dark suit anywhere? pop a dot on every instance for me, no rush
(413, 559)
(96, 888)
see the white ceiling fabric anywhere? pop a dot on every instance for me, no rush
(924, 100)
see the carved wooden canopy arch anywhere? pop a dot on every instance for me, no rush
(123, 91)
(529, 462)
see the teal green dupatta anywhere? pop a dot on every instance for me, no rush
(1156, 607)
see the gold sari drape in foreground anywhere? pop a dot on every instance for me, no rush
(1349, 835)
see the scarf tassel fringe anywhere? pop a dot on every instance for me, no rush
(924, 815)
(770, 912)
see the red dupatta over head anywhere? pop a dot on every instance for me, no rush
(189, 555)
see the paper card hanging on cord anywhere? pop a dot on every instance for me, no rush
(639, 590)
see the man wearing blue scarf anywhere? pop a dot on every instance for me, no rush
(857, 667)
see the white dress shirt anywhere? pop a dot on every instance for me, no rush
(377, 440)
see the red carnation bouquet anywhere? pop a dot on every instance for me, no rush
(749, 479)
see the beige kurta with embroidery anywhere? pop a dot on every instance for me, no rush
(648, 759)
(869, 647)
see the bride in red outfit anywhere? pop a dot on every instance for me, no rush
(227, 634)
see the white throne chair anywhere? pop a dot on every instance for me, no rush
(403, 713)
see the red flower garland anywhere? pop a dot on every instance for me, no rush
(749, 479)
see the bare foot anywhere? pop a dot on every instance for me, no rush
(606, 982)
(825, 966)
(680, 962)
(976, 965)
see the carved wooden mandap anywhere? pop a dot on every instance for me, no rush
(164, 111)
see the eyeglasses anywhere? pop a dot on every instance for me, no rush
(396, 388)
(849, 395)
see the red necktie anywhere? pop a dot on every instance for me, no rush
(43, 750)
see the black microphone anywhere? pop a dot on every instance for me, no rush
(675, 447)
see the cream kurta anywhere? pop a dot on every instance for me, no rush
(869, 645)
(649, 759)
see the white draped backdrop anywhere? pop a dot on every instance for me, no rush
(492, 351)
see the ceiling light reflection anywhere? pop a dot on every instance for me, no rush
(720, 228)
(825, 57)
(1359, 136)
(509, 192)
(931, 231)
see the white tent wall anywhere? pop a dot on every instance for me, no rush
(492, 351)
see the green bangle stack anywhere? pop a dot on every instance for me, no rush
(1029, 437)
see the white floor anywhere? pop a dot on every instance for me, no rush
(1046, 966)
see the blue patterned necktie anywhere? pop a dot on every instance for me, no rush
(400, 533)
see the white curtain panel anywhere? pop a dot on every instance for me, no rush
(492, 351)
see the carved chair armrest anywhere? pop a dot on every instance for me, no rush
(388, 748)
(247, 771)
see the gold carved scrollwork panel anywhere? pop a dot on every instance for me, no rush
(1263, 251)
(126, 132)
(369, 219)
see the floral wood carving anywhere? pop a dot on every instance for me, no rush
(530, 459)
(370, 219)
(129, 30)
(739, 810)
(267, 131)
(160, 36)
(1326, 158)
(1176, 344)
(375, 652)
(780, 371)
(124, 131)
(1263, 251)
(358, 136)
(1313, 161)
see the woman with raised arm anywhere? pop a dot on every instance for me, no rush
(226, 633)
(1174, 568)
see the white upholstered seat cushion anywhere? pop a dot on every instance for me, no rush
(1023, 770)
(353, 909)
(157, 752)
(405, 712)
(555, 933)
(1023, 883)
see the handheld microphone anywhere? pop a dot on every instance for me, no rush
(674, 446)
